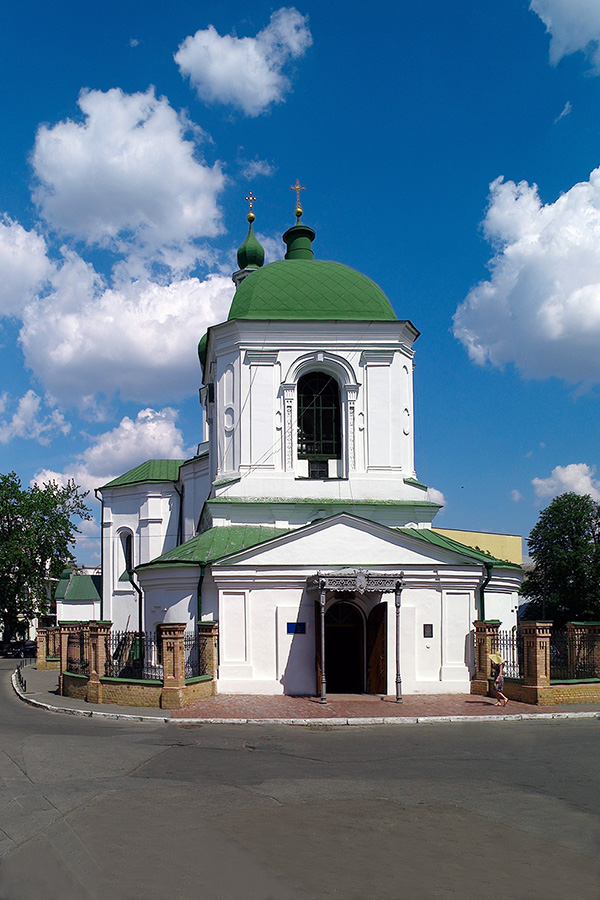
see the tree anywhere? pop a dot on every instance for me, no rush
(565, 547)
(37, 533)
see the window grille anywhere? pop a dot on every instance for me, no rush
(318, 419)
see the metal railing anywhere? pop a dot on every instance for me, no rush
(52, 643)
(510, 648)
(133, 654)
(78, 653)
(574, 655)
(194, 646)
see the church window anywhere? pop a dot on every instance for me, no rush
(127, 541)
(318, 422)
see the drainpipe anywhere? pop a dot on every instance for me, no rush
(180, 516)
(101, 499)
(484, 584)
(199, 593)
(138, 590)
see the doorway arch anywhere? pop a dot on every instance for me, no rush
(345, 648)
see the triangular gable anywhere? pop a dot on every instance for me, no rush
(347, 540)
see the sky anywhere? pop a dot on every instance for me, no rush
(449, 150)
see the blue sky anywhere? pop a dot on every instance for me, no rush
(449, 151)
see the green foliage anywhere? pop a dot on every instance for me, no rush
(37, 533)
(565, 547)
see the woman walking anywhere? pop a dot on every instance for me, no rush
(498, 674)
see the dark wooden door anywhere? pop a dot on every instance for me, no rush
(377, 650)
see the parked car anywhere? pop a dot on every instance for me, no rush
(21, 649)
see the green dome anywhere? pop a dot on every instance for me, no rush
(310, 289)
(251, 254)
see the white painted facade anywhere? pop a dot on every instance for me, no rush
(249, 473)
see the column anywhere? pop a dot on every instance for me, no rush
(322, 596)
(173, 656)
(398, 604)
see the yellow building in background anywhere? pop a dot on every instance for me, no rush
(503, 546)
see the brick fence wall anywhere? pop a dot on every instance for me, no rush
(87, 679)
(535, 686)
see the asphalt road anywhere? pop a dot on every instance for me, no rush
(96, 809)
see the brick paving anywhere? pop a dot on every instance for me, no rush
(350, 706)
(42, 688)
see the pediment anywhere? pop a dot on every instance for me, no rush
(348, 541)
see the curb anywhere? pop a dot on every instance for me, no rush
(363, 721)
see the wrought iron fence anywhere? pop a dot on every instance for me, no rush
(53, 643)
(574, 655)
(195, 654)
(510, 648)
(78, 653)
(133, 654)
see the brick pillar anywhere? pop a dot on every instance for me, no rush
(99, 631)
(209, 632)
(42, 648)
(486, 642)
(173, 657)
(66, 628)
(536, 651)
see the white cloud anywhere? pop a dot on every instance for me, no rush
(567, 109)
(27, 422)
(126, 177)
(247, 73)
(573, 25)
(576, 477)
(153, 434)
(435, 496)
(540, 309)
(516, 496)
(84, 339)
(256, 168)
(23, 266)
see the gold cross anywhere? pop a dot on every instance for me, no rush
(251, 198)
(298, 187)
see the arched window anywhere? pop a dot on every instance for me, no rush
(318, 422)
(127, 544)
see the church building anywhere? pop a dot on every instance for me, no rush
(300, 525)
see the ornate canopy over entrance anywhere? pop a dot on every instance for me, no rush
(361, 581)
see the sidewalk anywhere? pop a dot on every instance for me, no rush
(340, 709)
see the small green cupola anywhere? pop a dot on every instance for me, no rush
(250, 255)
(298, 239)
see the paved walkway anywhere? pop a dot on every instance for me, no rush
(340, 709)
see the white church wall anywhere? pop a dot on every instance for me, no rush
(77, 611)
(255, 375)
(440, 663)
(170, 596)
(195, 480)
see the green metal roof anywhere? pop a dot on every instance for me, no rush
(78, 587)
(153, 470)
(310, 289)
(214, 544)
(446, 543)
